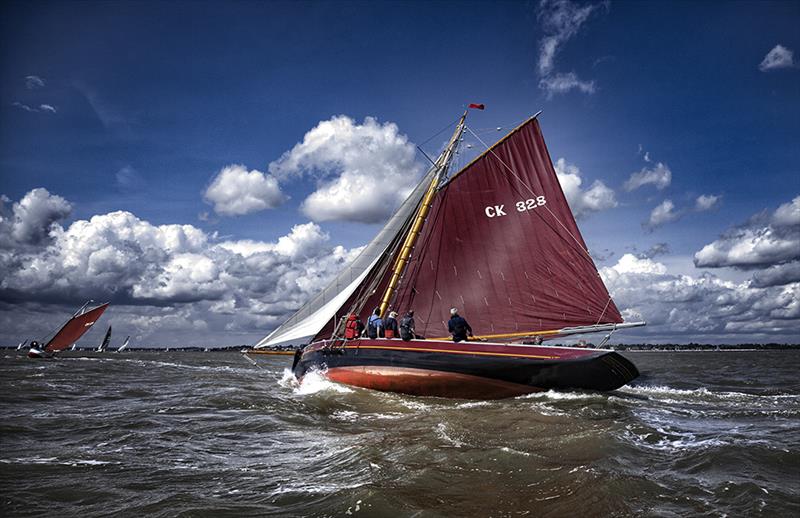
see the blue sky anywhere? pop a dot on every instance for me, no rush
(140, 106)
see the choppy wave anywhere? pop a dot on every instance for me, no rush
(196, 434)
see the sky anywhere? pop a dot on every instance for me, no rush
(208, 166)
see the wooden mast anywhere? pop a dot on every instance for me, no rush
(422, 213)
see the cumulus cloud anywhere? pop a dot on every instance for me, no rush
(706, 202)
(32, 218)
(596, 198)
(170, 277)
(34, 82)
(363, 171)
(659, 175)
(777, 275)
(684, 307)
(560, 20)
(761, 243)
(663, 213)
(47, 108)
(778, 57)
(234, 191)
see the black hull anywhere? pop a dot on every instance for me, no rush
(466, 370)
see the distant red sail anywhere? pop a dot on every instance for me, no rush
(500, 243)
(476, 106)
(74, 329)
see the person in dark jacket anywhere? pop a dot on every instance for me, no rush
(375, 324)
(458, 326)
(407, 331)
(390, 328)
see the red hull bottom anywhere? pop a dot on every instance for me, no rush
(423, 382)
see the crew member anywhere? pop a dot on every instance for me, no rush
(353, 327)
(390, 326)
(375, 324)
(458, 326)
(407, 331)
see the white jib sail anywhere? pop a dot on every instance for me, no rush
(312, 317)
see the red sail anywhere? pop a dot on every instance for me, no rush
(74, 329)
(500, 243)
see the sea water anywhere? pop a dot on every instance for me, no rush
(211, 434)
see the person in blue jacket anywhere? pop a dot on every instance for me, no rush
(375, 324)
(458, 326)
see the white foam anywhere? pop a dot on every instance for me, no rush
(315, 382)
(441, 432)
(515, 452)
(552, 394)
(345, 415)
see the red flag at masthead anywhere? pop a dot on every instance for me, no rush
(476, 106)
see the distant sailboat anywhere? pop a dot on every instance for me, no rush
(124, 344)
(73, 346)
(496, 239)
(21, 344)
(104, 345)
(69, 333)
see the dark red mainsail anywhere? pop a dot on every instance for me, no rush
(500, 243)
(74, 329)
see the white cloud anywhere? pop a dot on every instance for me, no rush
(560, 20)
(598, 197)
(778, 57)
(659, 175)
(363, 171)
(562, 83)
(128, 178)
(685, 307)
(33, 218)
(788, 214)
(759, 244)
(777, 275)
(235, 191)
(34, 82)
(706, 202)
(168, 277)
(43, 108)
(24, 107)
(663, 213)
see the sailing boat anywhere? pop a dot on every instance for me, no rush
(69, 333)
(124, 344)
(22, 344)
(497, 240)
(104, 344)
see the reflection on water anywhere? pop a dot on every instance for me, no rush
(168, 433)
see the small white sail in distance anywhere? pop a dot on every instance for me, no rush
(124, 344)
